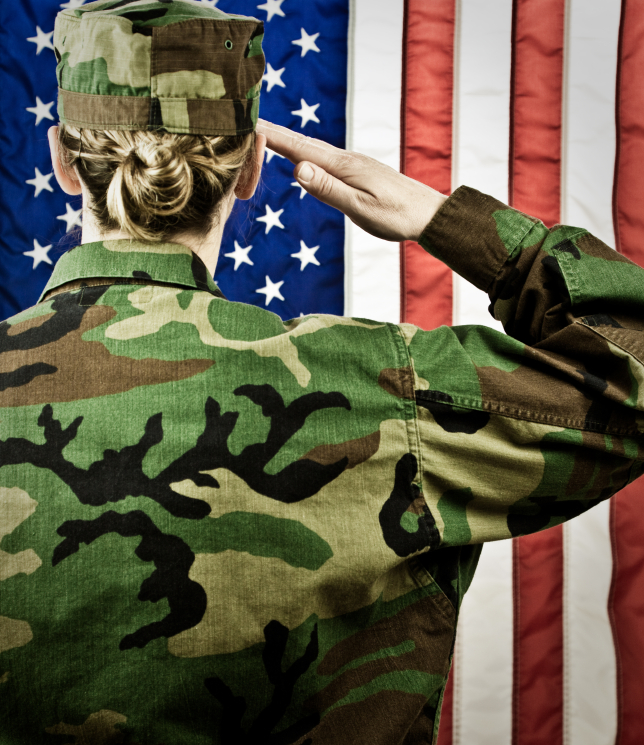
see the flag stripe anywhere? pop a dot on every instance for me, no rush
(535, 112)
(627, 610)
(590, 696)
(445, 730)
(372, 266)
(483, 696)
(535, 188)
(627, 591)
(629, 174)
(538, 638)
(427, 148)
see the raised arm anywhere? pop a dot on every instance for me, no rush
(517, 432)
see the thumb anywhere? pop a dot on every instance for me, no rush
(323, 185)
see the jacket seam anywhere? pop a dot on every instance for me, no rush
(502, 409)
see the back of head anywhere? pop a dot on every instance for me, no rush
(158, 102)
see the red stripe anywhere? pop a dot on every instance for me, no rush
(626, 606)
(537, 715)
(535, 108)
(626, 602)
(446, 729)
(426, 147)
(628, 187)
(535, 188)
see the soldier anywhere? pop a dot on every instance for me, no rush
(221, 528)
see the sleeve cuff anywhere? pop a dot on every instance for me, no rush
(464, 234)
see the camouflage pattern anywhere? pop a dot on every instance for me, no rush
(221, 528)
(176, 65)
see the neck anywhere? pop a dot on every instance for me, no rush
(206, 247)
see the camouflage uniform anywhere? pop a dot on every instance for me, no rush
(222, 528)
(158, 64)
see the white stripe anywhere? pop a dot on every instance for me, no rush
(590, 678)
(372, 266)
(482, 64)
(483, 693)
(590, 681)
(589, 116)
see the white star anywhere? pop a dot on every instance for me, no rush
(303, 193)
(272, 8)
(210, 3)
(274, 77)
(40, 182)
(72, 4)
(39, 254)
(272, 219)
(42, 40)
(307, 42)
(307, 113)
(272, 290)
(270, 154)
(71, 217)
(306, 255)
(41, 110)
(240, 255)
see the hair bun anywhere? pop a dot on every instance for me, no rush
(155, 185)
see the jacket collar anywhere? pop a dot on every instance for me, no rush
(166, 263)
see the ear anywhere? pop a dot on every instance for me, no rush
(246, 185)
(68, 181)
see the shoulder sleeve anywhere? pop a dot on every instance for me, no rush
(523, 430)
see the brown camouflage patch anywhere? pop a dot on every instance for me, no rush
(75, 364)
(356, 451)
(30, 323)
(398, 381)
(592, 246)
(199, 44)
(429, 623)
(363, 721)
(88, 110)
(202, 112)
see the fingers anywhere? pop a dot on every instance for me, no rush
(297, 147)
(324, 186)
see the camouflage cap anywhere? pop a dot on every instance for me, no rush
(176, 65)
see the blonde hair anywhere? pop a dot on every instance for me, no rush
(155, 185)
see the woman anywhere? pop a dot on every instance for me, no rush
(219, 527)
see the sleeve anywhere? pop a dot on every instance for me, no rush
(520, 432)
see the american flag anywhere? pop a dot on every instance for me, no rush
(515, 97)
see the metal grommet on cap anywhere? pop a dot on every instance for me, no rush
(250, 44)
(228, 44)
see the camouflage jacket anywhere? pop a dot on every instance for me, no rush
(221, 528)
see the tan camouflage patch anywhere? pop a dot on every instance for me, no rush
(98, 729)
(174, 112)
(188, 84)
(14, 633)
(24, 562)
(4, 678)
(127, 55)
(457, 460)
(15, 507)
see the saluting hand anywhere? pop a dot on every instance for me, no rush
(372, 195)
